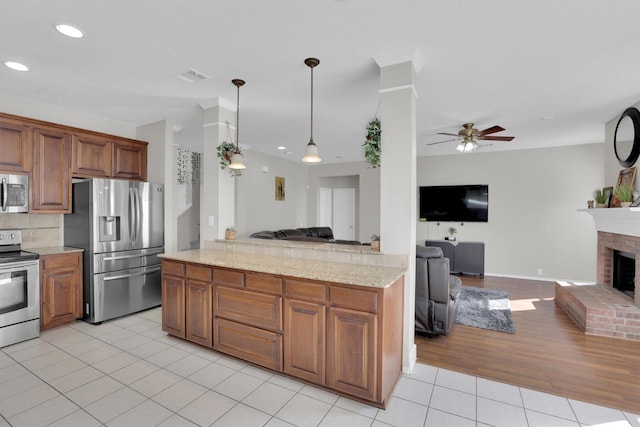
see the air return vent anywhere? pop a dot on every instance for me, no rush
(192, 76)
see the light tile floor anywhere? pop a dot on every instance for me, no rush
(127, 372)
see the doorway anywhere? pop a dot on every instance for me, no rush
(337, 206)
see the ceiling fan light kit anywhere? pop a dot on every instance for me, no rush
(471, 135)
(311, 152)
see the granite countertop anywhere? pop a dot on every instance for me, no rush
(324, 246)
(337, 272)
(53, 250)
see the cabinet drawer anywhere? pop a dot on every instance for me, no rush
(199, 272)
(172, 267)
(263, 311)
(60, 260)
(263, 283)
(228, 277)
(248, 343)
(310, 291)
(356, 299)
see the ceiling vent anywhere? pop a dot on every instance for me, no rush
(192, 76)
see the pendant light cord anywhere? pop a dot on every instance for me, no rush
(238, 119)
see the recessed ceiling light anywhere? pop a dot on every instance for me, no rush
(288, 153)
(547, 118)
(69, 31)
(16, 66)
(282, 147)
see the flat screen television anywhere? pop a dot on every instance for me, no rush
(454, 203)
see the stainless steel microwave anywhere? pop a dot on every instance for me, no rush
(14, 193)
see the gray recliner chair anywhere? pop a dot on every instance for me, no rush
(437, 292)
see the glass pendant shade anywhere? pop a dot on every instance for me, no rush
(466, 146)
(237, 161)
(311, 153)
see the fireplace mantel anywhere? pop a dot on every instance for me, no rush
(625, 221)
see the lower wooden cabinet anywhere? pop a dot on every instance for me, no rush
(60, 289)
(343, 337)
(304, 343)
(173, 298)
(351, 352)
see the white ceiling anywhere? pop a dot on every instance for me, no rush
(504, 62)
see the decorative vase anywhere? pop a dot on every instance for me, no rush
(230, 235)
(375, 245)
(601, 205)
(625, 204)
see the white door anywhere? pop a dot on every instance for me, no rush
(325, 203)
(344, 213)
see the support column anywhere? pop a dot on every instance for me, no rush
(217, 198)
(398, 191)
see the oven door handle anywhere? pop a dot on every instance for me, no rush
(5, 194)
(124, 276)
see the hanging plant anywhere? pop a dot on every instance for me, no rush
(372, 145)
(225, 151)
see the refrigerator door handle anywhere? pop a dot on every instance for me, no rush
(124, 276)
(138, 212)
(132, 235)
(5, 194)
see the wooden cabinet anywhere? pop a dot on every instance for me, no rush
(130, 160)
(95, 156)
(199, 318)
(60, 289)
(51, 177)
(343, 337)
(351, 352)
(304, 342)
(15, 146)
(248, 323)
(173, 298)
(91, 156)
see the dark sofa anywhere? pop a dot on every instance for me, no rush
(305, 234)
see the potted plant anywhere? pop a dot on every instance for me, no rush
(601, 198)
(452, 231)
(375, 243)
(225, 151)
(230, 233)
(625, 195)
(372, 145)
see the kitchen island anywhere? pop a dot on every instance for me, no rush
(332, 324)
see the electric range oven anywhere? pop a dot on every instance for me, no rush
(19, 290)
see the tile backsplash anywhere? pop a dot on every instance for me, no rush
(38, 230)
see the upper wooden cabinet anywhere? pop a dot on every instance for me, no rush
(51, 177)
(130, 160)
(91, 156)
(15, 146)
(101, 157)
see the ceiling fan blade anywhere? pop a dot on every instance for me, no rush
(442, 142)
(492, 129)
(450, 134)
(497, 138)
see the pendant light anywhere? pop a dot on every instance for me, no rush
(467, 145)
(311, 153)
(237, 161)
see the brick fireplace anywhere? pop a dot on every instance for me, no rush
(599, 309)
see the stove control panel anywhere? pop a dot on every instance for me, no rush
(10, 237)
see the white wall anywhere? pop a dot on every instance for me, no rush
(612, 166)
(533, 197)
(256, 207)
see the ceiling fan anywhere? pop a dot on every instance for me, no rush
(471, 135)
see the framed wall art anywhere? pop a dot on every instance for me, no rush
(279, 188)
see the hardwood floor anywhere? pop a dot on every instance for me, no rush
(548, 352)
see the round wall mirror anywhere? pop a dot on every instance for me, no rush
(626, 140)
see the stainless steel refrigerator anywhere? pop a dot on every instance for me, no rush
(120, 226)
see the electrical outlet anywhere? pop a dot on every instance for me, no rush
(211, 221)
(539, 272)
